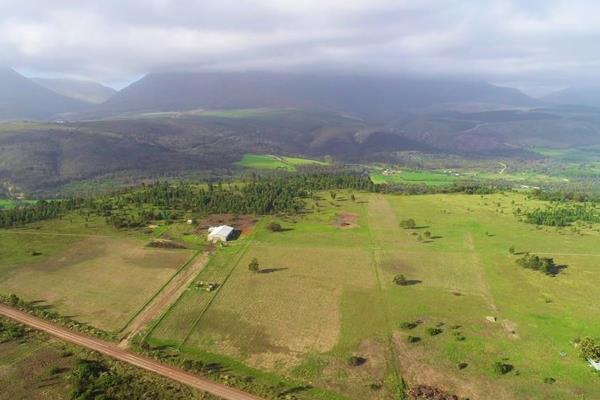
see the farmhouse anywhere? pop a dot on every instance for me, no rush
(220, 233)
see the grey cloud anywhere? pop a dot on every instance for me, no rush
(534, 43)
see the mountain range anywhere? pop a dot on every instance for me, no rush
(167, 123)
(90, 92)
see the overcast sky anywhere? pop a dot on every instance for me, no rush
(536, 45)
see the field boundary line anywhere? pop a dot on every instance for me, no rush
(112, 350)
(154, 324)
(155, 295)
(374, 248)
(237, 262)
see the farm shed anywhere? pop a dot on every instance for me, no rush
(220, 233)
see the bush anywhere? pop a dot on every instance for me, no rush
(254, 266)
(356, 361)
(274, 227)
(400, 279)
(434, 331)
(408, 325)
(462, 365)
(549, 380)
(502, 368)
(408, 224)
(413, 339)
(589, 349)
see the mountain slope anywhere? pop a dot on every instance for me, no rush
(21, 98)
(588, 96)
(91, 92)
(367, 97)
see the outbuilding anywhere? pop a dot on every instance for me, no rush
(220, 233)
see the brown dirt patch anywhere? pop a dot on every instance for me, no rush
(346, 220)
(166, 244)
(430, 393)
(241, 222)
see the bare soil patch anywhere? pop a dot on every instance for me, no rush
(346, 220)
(241, 222)
(166, 244)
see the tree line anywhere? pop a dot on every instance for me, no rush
(168, 201)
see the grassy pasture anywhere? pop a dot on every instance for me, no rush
(25, 371)
(94, 273)
(330, 295)
(265, 161)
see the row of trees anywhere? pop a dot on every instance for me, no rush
(166, 201)
(563, 215)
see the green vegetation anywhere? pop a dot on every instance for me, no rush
(325, 317)
(261, 161)
(564, 215)
(545, 265)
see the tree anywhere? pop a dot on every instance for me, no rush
(427, 235)
(408, 223)
(254, 266)
(589, 349)
(511, 250)
(274, 227)
(333, 195)
(352, 197)
(400, 279)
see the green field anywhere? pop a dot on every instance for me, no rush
(86, 270)
(449, 177)
(328, 294)
(6, 204)
(264, 161)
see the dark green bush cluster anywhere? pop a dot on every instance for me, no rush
(542, 264)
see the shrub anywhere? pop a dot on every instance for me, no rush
(408, 224)
(400, 279)
(589, 349)
(408, 325)
(434, 331)
(413, 339)
(549, 380)
(462, 365)
(274, 227)
(254, 266)
(502, 368)
(356, 361)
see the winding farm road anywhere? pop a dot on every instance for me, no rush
(112, 350)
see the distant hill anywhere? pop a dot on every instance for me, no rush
(91, 92)
(588, 96)
(367, 97)
(21, 98)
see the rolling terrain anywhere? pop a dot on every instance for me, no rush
(325, 315)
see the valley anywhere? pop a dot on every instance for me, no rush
(351, 301)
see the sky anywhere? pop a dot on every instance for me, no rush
(536, 45)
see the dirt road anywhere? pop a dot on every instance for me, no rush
(112, 350)
(165, 298)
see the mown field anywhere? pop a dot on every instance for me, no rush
(85, 269)
(446, 178)
(265, 161)
(326, 293)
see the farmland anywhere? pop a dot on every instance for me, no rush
(326, 293)
(88, 270)
(350, 301)
(258, 161)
